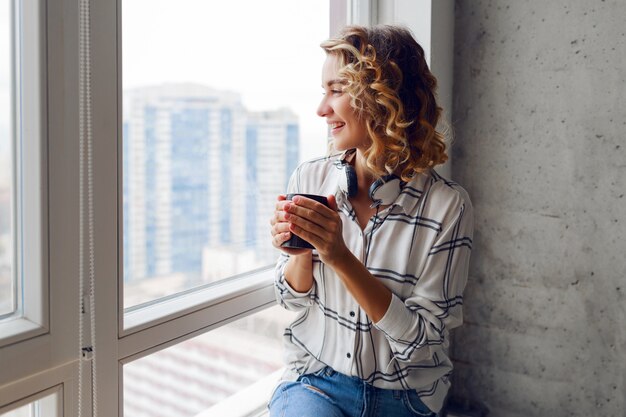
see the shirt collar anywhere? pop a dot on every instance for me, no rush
(411, 193)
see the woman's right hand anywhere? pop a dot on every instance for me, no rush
(280, 228)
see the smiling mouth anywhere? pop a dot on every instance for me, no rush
(336, 125)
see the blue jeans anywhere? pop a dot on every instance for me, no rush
(328, 393)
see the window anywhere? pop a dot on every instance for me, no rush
(195, 375)
(23, 283)
(47, 405)
(210, 135)
(37, 338)
(213, 125)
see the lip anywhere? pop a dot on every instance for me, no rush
(336, 126)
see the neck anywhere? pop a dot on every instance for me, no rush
(363, 174)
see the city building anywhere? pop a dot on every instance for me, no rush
(272, 154)
(201, 176)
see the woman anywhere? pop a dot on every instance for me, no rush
(384, 283)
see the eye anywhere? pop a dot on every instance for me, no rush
(336, 89)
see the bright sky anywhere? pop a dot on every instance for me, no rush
(268, 51)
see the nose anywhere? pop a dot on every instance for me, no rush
(324, 108)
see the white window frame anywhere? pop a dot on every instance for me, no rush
(41, 359)
(29, 228)
(48, 403)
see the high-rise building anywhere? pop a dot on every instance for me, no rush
(272, 154)
(201, 176)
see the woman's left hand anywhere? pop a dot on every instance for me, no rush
(319, 225)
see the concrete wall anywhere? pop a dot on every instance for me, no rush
(540, 121)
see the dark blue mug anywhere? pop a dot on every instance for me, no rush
(297, 242)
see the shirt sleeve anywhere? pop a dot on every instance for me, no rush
(417, 327)
(286, 296)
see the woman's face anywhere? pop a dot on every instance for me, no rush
(347, 130)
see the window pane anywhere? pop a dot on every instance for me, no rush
(7, 277)
(219, 108)
(194, 375)
(47, 406)
(28, 410)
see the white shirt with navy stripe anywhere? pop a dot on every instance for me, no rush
(419, 248)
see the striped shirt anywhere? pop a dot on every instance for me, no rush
(419, 247)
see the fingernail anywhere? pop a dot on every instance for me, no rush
(296, 199)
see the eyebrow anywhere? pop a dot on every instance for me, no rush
(337, 81)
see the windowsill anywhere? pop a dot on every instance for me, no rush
(249, 402)
(16, 330)
(162, 311)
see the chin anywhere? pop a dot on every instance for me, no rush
(343, 145)
(339, 147)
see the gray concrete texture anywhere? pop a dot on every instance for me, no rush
(540, 144)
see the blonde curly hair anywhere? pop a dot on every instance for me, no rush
(391, 87)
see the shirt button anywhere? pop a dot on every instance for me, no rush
(348, 355)
(352, 314)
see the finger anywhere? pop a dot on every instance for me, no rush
(278, 217)
(274, 220)
(281, 217)
(305, 212)
(310, 237)
(313, 205)
(280, 238)
(280, 205)
(281, 227)
(332, 202)
(304, 225)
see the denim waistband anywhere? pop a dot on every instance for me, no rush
(354, 381)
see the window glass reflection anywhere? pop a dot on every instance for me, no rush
(194, 375)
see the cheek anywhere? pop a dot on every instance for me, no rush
(358, 125)
(343, 106)
(363, 133)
